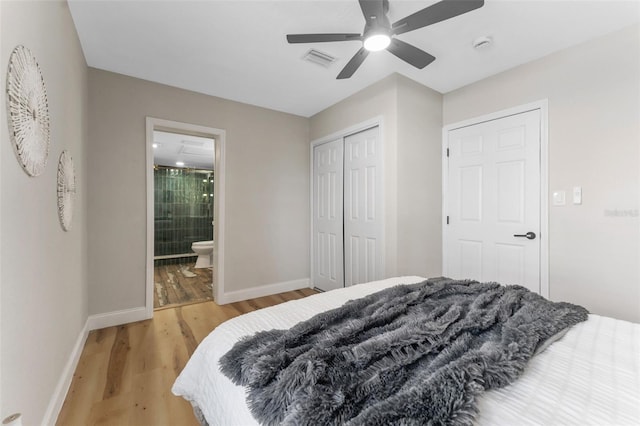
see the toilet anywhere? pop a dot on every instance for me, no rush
(204, 250)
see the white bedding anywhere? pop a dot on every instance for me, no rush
(590, 376)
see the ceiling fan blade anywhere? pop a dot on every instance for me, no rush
(410, 54)
(374, 11)
(435, 13)
(353, 64)
(321, 38)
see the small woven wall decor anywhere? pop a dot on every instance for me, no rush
(66, 189)
(28, 111)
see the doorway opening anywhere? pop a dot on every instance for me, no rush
(184, 213)
(183, 177)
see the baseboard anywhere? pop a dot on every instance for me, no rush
(265, 290)
(124, 316)
(60, 392)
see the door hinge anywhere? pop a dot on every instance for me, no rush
(447, 220)
(447, 152)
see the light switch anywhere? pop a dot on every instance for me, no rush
(577, 195)
(559, 198)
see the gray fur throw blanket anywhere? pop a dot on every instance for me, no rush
(412, 355)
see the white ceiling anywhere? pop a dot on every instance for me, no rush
(237, 49)
(194, 152)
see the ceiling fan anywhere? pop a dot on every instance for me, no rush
(378, 33)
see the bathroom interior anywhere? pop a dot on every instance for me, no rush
(183, 218)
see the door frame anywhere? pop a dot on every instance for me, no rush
(218, 200)
(377, 121)
(543, 106)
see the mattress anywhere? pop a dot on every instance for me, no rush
(589, 376)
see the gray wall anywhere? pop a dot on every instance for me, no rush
(419, 180)
(43, 280)
(594, 135)
(412, 137)
(267, 187)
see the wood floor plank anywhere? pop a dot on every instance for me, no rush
(168, 286)
(158, 288)
(230, 310)
(125, 373)
(86, 389)
(307, 292)
(149, 403)
(178, 284)
(112, 411)
(100, 340)
(279, 298)
(263, 302)
(183, 286)
(181, 294)
(143, 357)
(117, 362)
(202, 318)
(187, 335)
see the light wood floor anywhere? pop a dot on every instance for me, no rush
(125, 373)
(179, 284)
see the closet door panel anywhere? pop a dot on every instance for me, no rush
(328, 258)
(363, 224)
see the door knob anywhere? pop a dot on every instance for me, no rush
(529, 235)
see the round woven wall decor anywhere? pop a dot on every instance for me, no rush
(66, 189)
(28, 111)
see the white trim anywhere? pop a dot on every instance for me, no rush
(218, 201)
(149, 282)
(174, 256)
(219, 208)
(341, 134)
(109, 319)
(356, 128)
(445, 185)
(62, 388)
(265, 290)
(543, 106)
(4, 120)
(311, 165)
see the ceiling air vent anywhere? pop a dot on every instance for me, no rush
(319, 58)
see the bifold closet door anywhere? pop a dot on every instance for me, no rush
(328, 269)
(363, 205)
(347, 211)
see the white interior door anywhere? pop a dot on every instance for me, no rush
(493, 201)
(328, 269)
(363, 221)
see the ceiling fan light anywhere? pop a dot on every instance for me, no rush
(376, 42)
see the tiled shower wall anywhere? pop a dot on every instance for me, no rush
(183, 204)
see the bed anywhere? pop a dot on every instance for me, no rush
(591, 375)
